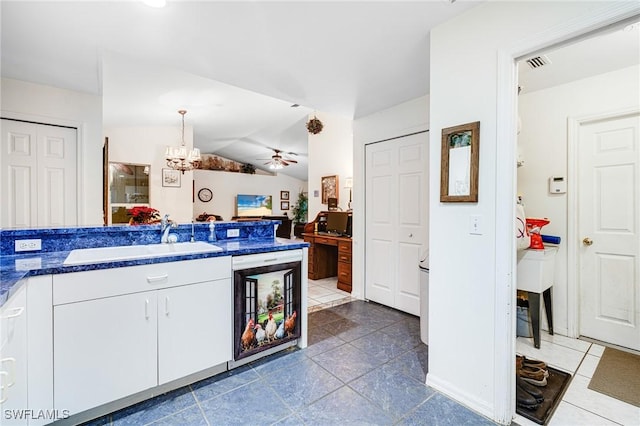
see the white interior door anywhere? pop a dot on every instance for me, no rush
(37, 175)
(396, 220)
(609, 212)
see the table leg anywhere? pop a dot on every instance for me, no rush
(547, 307)
(534, 314)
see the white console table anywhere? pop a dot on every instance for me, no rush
(535, 276)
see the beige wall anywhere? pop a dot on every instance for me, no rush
(330, 153)
(146, 145)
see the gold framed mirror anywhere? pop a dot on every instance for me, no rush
(459, 163)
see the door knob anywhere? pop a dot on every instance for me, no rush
(587, 241)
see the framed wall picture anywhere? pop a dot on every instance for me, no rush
(459, 163)
(284, 205)
(329, 186)
(171, 178)
(284, 195)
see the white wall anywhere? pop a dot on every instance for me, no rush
(405, 118)
(146, 145)
(51, 105)
(467, 279)
(543, 146)
(330, 153)
(226, 185)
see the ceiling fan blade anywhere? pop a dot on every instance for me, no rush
(291, 161)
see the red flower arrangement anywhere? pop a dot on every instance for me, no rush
(143, 215)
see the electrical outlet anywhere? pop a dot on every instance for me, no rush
(233, 233)
(28, 245)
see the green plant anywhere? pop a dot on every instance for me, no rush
(248, 168)
(300, 209)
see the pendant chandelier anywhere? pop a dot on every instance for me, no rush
(177, 156)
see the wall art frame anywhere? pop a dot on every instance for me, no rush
(171, 178)
(329, 187)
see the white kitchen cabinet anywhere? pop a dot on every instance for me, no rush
(13, 359)
(175, 320)
(104, 349)
(194, 328)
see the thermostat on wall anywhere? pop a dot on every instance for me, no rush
(557, 185)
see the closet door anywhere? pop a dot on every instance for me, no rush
(37, 175)
(396, 220)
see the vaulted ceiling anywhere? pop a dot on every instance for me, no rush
(236, 66)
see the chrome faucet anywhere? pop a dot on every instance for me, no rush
(165, 227)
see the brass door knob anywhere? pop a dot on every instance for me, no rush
(587, 241)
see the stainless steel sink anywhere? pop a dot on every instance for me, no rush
(121, 253)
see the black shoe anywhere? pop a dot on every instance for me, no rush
(525, 400)
(531, 390)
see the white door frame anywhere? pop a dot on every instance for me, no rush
(506, 113)
(573, 138)
(80, 133)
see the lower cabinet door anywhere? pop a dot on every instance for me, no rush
(13, 360)
(104, 349)
(194, 328)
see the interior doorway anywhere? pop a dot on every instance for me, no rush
(547, 109)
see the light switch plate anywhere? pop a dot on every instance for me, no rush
(475, 224)
(233, 233)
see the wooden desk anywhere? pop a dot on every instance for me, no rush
(330, 256)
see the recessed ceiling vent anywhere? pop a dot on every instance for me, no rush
(538, 61)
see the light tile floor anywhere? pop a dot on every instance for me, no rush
(324, 293)
(579, 405)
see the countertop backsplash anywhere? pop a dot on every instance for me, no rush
(67, 239)
(249, 237)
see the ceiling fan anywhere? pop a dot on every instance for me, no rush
(279, 159)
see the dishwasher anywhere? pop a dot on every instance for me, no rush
(267, 304)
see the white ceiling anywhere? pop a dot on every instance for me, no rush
(345, 58)
(603, 51)
(238, 66)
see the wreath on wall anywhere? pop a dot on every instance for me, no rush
(314, 126)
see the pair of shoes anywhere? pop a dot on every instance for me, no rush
(531, 390)
(523, 360)
(534, 375)
(524, 399)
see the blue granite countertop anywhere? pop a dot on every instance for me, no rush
(15, 267)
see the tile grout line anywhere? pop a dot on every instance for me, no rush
(591, 412)
(206, 419)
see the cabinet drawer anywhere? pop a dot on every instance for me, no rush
(344, 257)
(344, 272)
(326, 241)
(344, 247)
(87, 285)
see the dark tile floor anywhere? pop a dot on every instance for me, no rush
(365, 365)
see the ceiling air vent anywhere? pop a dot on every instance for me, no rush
(538, 61)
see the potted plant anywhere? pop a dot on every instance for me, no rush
(300, 214)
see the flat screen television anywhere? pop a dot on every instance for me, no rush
(253, 205)
(337, 222)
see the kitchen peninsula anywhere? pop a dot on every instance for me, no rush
(125, 329)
